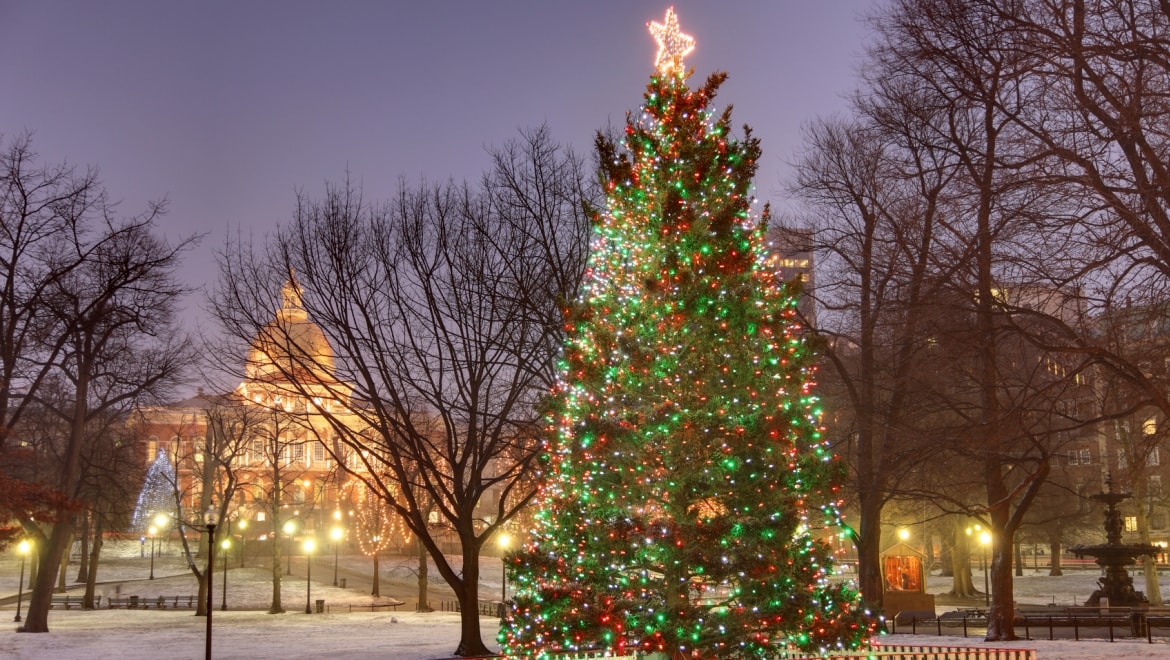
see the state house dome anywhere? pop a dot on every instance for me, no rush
(290, 344)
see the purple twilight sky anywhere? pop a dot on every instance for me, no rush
(226, 108)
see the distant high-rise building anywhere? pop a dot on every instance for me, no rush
(790, 255)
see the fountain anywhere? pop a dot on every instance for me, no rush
(1113, 556)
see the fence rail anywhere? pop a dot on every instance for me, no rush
(879, 650)
(484, 607)
(1075, 623)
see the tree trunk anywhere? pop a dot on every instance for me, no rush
(203, 576)
(1054, 545)
(95, 552)
(63, 569)
(423, 604)
(276, 607)
(375, 592)
(961, 583)
(83, 558)
(1019, 554)
(1149, 567)
(1001, 625)
(37, 618)
(868, 540)
(946, 553)
(470, 642)
(928, 550)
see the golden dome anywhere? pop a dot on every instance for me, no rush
(290, 344)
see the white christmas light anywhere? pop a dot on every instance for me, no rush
(673, 45)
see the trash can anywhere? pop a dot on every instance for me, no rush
(341, 583)
(320, 606)
(134, 602)
(1138, 624)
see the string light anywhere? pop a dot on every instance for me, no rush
(673, 45)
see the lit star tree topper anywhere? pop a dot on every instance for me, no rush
(686, 488)
(673, 45)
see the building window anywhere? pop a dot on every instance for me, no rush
(1131, 523)
(318, 452)
(1150, 426)
(1158, 521)
(1080, 457)
(1152, 458)
(1121, 459)
(1154, 485)
(298, 453)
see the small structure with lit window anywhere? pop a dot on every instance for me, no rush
(904, 585)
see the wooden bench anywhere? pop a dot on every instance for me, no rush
(123, 602)
(157, 602)
(175, 602)
(69, 602)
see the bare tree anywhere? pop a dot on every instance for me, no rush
(41, 208)
(110, 469)
(116, 310)
(1104, 128)
(372, 528)
(876, 190)
(444, 309)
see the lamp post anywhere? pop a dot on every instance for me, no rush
(23, 549)
(309, 547)
(152, 530)
(160, 523)
(336, 534)
(209, 517)
(504, 541)
(289, 528)
(985, 540)
(243, 526)
(226, 544)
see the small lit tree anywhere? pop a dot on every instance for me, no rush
(373, 528)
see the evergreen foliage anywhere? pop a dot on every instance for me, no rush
(685, 473)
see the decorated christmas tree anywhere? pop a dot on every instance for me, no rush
(157, 495)
(686, 476)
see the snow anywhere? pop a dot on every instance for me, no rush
(246, 631)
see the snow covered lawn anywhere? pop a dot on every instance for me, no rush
(245, 631)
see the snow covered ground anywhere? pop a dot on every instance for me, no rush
(246, 631)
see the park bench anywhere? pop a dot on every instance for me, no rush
(157, 602)
(176, 602)
(69, 602)
(123, 602)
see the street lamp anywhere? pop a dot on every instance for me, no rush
(290, 527)
(243, 526)
(210, 518)
(903, 535)
(309, 547)
(985, 541)
(23, 550)
(152, 530)
(161, 521)
(504, 541)
(226, 544)
(336, 534)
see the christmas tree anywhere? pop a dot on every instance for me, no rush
(157, 494)
(685, 469)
